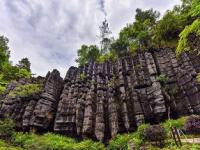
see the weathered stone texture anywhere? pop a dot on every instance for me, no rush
(100, 100)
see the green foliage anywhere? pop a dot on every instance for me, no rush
(195, 8)
(54, 142)
(82, 76)
(24, 63)
(111, 55)
(167, 30)
(23, 73)
(163, 79)
(87, 53)
(137, 35)
(6, 128)
(2, 89)
(119, 142)
(178, 123)
(5, 146)
(8, 72)
(198, 77)
(140, 131)
(4, 51)
(25, 90)
(183, 45)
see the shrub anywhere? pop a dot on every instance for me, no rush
(155, 133)
(5, 146)
(50, 141)
(119, 142)
(26, 90)
(140, 131)
(178, 123)
(2, 89)
(183, 41)
(6, 128)
(192, 125)
(163, 79)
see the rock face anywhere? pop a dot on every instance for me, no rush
(100, 100)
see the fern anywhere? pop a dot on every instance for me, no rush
(183, 45)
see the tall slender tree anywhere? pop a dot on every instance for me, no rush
(105, 36)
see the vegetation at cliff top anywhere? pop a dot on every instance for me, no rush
(8, 71)
(25, 90)
(149, 31)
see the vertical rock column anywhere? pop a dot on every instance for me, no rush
(65, 116)
(45, 110)
(90, 108)
(99, 122)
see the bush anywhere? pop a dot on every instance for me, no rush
(6, 129)
(183, 41)
(155, 133)
(2, 89)
(178, 123)
(5, 146)
(26, 90)
(119, 142)
(192, 125)
(50, 141)
(140, 131)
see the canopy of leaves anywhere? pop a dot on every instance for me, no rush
(24, 63)
(138, 34)
(4, 51)
(194, 28)
(9, 72)
(87, 53)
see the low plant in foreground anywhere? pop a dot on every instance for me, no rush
(50, 141)
(6, 128)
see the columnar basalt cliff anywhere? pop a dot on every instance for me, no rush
(100, 100)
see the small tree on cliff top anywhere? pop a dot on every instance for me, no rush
(104, 36)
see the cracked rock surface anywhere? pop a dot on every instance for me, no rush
(100, 100)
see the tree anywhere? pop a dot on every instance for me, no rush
(104, 36)
(24, 63)
(87, 53)
(142, 16)
(137, 35)
(4, 51)
(186, 43)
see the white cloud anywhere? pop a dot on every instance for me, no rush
(49, 32)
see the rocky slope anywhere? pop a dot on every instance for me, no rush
(100, 100)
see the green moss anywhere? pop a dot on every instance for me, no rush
(26, 90)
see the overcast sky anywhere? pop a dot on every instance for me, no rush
(49, 32)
